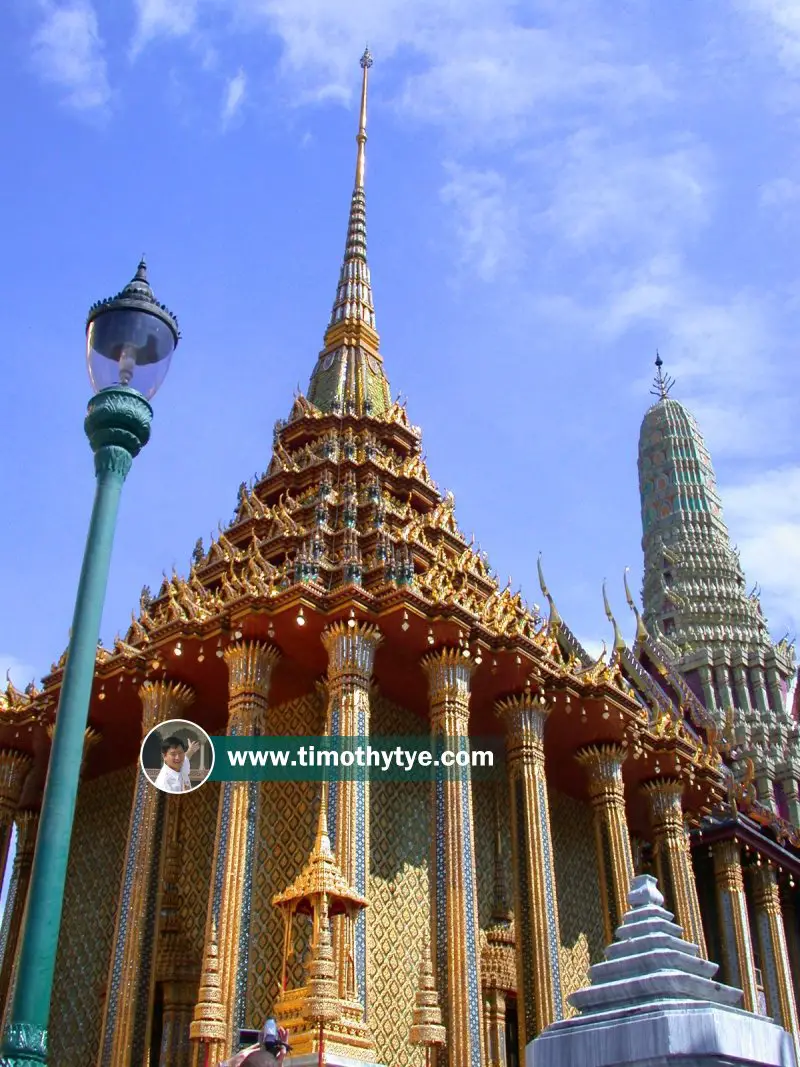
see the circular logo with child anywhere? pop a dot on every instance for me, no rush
(177, 756)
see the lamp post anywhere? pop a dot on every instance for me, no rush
(130, 339)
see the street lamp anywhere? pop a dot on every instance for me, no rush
(130, 339)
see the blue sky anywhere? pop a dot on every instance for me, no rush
(554, 190)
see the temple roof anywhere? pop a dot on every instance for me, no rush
(347, 523)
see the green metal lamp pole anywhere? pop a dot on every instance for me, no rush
(131, 339)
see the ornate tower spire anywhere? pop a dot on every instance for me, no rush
(348, 378)
(695, 597)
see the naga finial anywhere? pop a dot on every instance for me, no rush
(619, 642)
(641, 629)
(554, 620)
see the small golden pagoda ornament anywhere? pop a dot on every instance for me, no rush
(208, 1027)
(319, 1020)
(427, 1028)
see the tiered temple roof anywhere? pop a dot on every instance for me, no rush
(347, 523)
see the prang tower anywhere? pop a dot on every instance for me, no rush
(696, 602)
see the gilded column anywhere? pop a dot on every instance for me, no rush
(126, 1023)
(14, 767)
(537, 938)
(27, 823)
(791, 925)
(495, 1011)
(673, 858)
(737, 944)
(250, 667)
(176, 970)
(603, 765)
(351, 657)
(454, 896)
(775, 968)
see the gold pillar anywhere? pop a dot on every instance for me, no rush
(791, 924)
(774, 955)
(127, 1015)
(176, 970)
(351, 657)
(673, 859)
(537, 937)
(250, 666)
(14, 767)
(737, 945)
(27, 824)
(495, 1011)
(603, 765)
(455, 905)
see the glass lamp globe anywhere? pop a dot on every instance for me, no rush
(130, 339)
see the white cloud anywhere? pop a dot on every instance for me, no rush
(781, 195)
(20, 673)
(780, 19)
(234, 96)
(163, 18)
(68, 52)
(763, 515)
(613, 192)
(486, 221)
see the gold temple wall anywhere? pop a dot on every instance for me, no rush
(398, 917)
(285, 836)
(90, 903)
(198, 828)
(578, 885)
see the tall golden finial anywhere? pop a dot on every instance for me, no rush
(361, 136)
(349, 377)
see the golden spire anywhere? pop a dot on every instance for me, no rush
(348, 378)
(209, 1014)
(426, 1021)
(361, 136)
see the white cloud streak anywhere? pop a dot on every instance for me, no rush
(233, 97)
(764, 516)
(67, 52)
(162, 18)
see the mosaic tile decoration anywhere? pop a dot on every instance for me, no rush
(398, 917)
(286, 833)
(198, 829)
(485, 796)
(93, 878)
(578, 885)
